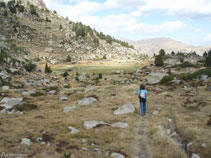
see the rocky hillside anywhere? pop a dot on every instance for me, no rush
(152, 46)
(46, 36)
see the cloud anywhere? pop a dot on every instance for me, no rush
(196, 29)
(207, 38)
(188, 8)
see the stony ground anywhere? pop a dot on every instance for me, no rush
(63, 117)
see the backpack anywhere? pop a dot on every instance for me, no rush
(142, 96)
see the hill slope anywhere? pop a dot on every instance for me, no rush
(151, 46)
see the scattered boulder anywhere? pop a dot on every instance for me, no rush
(126, 108)
(117, 155)
(73, 130)
(9, 103)
(120, 124)
(68, 109)
(26, 141)
(208, 88)
(204, 77)
(28, 93)
(155, 77)
(92, 124)
(87, 101)
(49, 50)
(5, 88)
(52, 92)
(62, 98)
(195, 156)
(155, 113)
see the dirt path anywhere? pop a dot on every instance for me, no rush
(142, 139)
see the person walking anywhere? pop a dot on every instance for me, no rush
(142, 94)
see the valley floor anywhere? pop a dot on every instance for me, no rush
(170, 129)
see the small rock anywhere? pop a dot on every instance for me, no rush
(87, 101)
(5, 88)
(84, 149)
(62, 98)
(84, 140)
(92, 124)
(68, 109)
(73, 130)
(120, 125)
(52, 92)
(204, 77)
(204, 145)
(195, 156)
(126, 108)
(26, 141)
(28, 93)
(117, 155)
(155, 113)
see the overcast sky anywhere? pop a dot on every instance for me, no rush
(188, 21)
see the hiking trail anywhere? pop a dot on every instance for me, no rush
(143, 151)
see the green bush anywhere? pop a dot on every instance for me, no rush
(5, 13)
(21, 8)
(37, 94)
(47, 69)
(68, 59)
(29, 67)
(186, 64)
(96, 41)
(159, 60)
(162, 52)
(100, 76)
(196, 74)
(65, 74)
(208, 61)
(32, 10)
(2, 4)
(104, 56)
(47, 20)
(54, 12)
(166, 80)
(60, 27)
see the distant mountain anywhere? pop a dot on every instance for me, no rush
(151, 46)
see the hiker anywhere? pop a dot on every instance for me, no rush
(142, 94)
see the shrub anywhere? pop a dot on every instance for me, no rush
(47, 69)
(32, 10)
(68, 59)
(109, 39)
(60, 27)
(54, 12)
(47, 20)
(37, 94)
(104, 56)
(100, 76)
(5, 13)
(186, 64)
(205, 54)
(159, 60)
(12, 9)
(29, 67)
(65, 74)
(96, 41)
(162, 52)
(194, 75)
(76, 78)
(166, 80)
(21, 8)
(208, 61)
(2, 4)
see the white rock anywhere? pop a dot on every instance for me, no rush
(155, 113)
(52, 92)
(10, 102)
(92, 124)
(117, 155)
(5, 88)
(126, 108)
(120, 124)
(62, 98)
(155, 77)
(68, 109)
(28, 93)
(49, 50)
(73, 130)
(87, 101)
(195, 156)
(204, 77)
(26, 141)
(84, 140)
(204, 145)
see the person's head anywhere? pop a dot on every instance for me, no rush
(142, 86)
